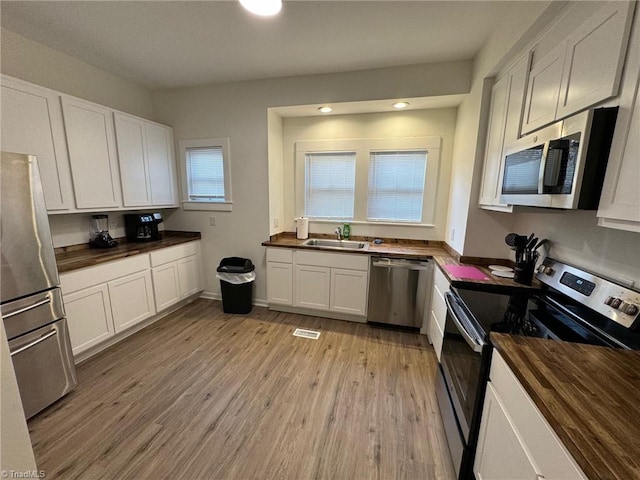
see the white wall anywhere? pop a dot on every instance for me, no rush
(577, 239)
(73, 229)
(395, 124)
(276, 173)
(479, 232)
(239, 111)
(39, 64)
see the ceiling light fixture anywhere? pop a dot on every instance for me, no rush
(400, 105)
(325, 109)
(264, 8)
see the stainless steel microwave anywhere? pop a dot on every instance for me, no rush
(562, 165)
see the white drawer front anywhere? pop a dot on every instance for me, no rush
(353, 261)
(439, 308)
(435, 335)
(440, 281)
(281, 255)
(171, 254)
(90, 276)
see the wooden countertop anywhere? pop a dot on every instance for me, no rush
(425, 249)
(589, 395)
(80, 256)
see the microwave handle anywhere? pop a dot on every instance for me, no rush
(543, 167)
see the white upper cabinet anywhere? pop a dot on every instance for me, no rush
(132, 156)
(162, 165)
(505, 121)
(543, 91)
(582, 70)
(147, 166)
(620, 201)
(92, 153)
(594, 58)
(32, 124)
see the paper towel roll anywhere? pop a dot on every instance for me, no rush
(302, 228)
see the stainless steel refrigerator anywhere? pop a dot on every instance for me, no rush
(31, 303)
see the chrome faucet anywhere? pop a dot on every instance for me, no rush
(338, 232)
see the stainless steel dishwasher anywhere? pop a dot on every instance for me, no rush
(399, 291)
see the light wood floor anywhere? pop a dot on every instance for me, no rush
(205, 395)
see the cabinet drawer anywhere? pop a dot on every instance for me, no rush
(171, 254)
(439, 308)
(90, 276)
(549, 452)
(336, 260)
(435, 335)
(440, 282)
(282, 255)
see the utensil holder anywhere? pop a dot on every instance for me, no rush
(523, 272)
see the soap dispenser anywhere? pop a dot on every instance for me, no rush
(346, 231)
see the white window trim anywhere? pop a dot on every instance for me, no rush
(219, 206)
(363, 149)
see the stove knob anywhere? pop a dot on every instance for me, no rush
(608, 300)
(548, 271)
(623, 306)
(631, 309)
(615, 303)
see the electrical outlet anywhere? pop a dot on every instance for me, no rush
(276, 222)
(212, 221)
(453, 234)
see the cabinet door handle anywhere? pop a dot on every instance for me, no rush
(34, 343)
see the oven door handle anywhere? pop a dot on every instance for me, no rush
(475, 345)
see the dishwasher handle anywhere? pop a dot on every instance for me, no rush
(399, 263)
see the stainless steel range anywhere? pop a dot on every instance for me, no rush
(574, 306)
(31, 302)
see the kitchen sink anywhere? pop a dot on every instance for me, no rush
(340, 244)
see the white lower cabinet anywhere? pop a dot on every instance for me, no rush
(89, 317)
(501, 453)
(177, 273)
(438, 315)
(515, 440)
(279, 283)
(165, 285)
(105, 300)
(131, 300)
(349, 291)
(312, 289)
(333, 284)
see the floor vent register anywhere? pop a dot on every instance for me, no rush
(300, 332)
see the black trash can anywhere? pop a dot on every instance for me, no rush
(236, 283)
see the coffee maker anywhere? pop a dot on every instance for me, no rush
(99, 233)
(142, 227)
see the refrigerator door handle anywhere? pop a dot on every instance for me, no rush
(30, 307)
(35, 342)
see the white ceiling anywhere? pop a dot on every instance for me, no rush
(168, 44)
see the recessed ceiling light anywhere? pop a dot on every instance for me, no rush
(400, 105)
(264, 8)
(325, 109)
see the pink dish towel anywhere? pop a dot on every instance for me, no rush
(461, 271)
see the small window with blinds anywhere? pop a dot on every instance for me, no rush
(206, 175)
(396, 186)
(330, 185)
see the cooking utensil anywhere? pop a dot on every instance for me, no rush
(510, 239)
(532, 241)
(540, 243)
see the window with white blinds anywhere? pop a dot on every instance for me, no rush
(206, 174)
(396, 186)
(382, 181)
(330, 185)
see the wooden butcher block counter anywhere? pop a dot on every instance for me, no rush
(80, 256)
(589, 395)
(419, 249)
